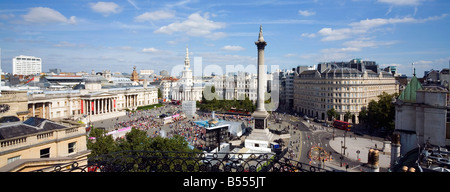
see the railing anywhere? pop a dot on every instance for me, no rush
(155, 161)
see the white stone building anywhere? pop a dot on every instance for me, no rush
(421, 116)
(343, 88)
(186, 88)
(236, 86)
(91, 104)
(26, 65)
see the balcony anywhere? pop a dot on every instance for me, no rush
(156, 161)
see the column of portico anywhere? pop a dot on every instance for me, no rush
(106, 105)
(136, 100)
(43, 110)
(84, 106)
(33, 106)
(50, 110)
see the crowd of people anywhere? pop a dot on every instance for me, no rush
(155, 125)
(195, 134)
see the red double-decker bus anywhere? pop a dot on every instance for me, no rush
(341, 125)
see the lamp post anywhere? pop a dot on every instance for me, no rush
(345, 134)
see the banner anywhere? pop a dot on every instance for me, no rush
(92, 106)
(82, 106)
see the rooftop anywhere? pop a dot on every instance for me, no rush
(30, 126)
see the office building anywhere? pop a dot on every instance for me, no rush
(344, 86)
(26, 65)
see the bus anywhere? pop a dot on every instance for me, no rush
(341, 125)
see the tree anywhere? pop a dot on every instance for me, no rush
(363, 115)
(135, 140)
(159, 93)
(331, 113)
(100, 143)
(381, 113)
(347, 116)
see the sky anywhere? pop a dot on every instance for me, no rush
(88, 35)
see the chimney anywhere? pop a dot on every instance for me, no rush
(373, 160)
(395, 149)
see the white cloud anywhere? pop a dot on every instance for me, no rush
(340, 50)
(365, 26)
(133, 4)
(401, 2)
(7, 16)
(232, 48)
(310, 35)
(105, 8)
(306, 13)
(153, 16)
(46, 15)
(371, 43)
(150, 50)
(335, 34)
(195, 25)
(290, 55)
(65, 44)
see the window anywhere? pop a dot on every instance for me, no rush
(45, 153)
(72, 147)
(256, 144)
(12, 159)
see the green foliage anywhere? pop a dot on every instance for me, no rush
(347, 116)
(331, 113)
(137, 151)
(363, 115)
(135, 140)
(159, 93)
(150, 106)
(381, 113)
(101, 144)
(244, 103)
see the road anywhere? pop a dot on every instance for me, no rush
(306, 135)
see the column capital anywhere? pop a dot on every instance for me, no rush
(260, 44)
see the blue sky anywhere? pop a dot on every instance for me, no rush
(90, 35)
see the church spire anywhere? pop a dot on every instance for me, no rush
(186, 60)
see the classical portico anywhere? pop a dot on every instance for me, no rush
(99, 106)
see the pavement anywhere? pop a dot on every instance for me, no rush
(362, 145)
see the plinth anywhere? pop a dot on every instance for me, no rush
(260, 119)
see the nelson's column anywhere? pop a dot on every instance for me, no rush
(260, 114)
